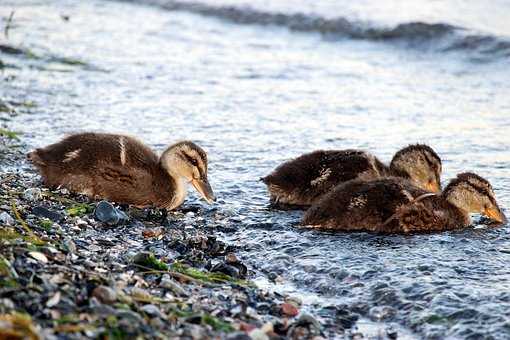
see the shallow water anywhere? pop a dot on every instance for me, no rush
(255, 95)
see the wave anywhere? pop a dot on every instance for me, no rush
(440, 37)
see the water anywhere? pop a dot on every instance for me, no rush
(254, 95)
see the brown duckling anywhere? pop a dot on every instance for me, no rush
(395, 205)
(122, 169)
(302, 181)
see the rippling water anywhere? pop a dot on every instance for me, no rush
(254, 90)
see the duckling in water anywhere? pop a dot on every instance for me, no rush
(301, 182)
(123, 169)
(395, 205)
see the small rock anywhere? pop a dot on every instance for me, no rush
(306, 327)
(231, 258)
(258, 334)
(152, 232)
(289, 309)
(296, 302)
(81, 223)
(54, 300)
(6, 219)
(140, 294)
(107, 213)
(104, 294)
(32, 194)
(152, 310)
(246, 327)
(44, 212)
(129, 321)
(172, 285)
(238, 336)
(38, 256)
(391, 333)
(69, 245)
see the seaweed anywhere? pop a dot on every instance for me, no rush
(217, 324)
(9, 134)
(150, 261)
(46, 224)
(79, 209)
(211, 277)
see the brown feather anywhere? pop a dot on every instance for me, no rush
(386, 206)
(93, 164)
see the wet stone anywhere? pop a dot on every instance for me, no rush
(391, 333)
(32, 194)
(258, 334)
(152, 310)
(129, 316)
(6, 219)
(47, 213)
(172, 285)
(237, 270)
(306, 327)
(382, 313)
(238, 336)
(104, 294)
(289, 309)
(107, 213)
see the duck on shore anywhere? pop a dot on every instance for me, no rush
(302, 181)
(122, 169)
(395, 205)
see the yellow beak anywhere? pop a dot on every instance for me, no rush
(204, 188)
(433, 187)
(495, 214)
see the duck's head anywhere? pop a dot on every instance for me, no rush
(189, 161)
(420, 164)
(474, 194)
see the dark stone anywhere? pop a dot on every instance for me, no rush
(391, 333)
(238, 336)
(44, 212)
(306, 327)
(236, 270)
(107, 213)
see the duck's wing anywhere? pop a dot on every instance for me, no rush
(358, 205)
(92, 149)
(304, 179)
(84, 160)
(433, 214)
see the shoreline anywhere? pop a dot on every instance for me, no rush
(64, 273)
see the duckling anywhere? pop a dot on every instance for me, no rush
(396, 205)
(122, 169)
(300, 182)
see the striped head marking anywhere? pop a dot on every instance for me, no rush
(474, 194)
(421, 164)
(189, 161)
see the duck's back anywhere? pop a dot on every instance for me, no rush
(303, 180)
(388, 205)
(116, 167)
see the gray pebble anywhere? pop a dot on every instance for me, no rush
(104, 294)
(172, 285)
(32, 194)
(6, 219)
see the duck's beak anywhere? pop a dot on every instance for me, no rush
(433, 186)
(204, 188)
(495, 214)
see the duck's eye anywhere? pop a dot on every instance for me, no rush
(191, 160)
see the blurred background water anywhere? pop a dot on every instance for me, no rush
(258, 82)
